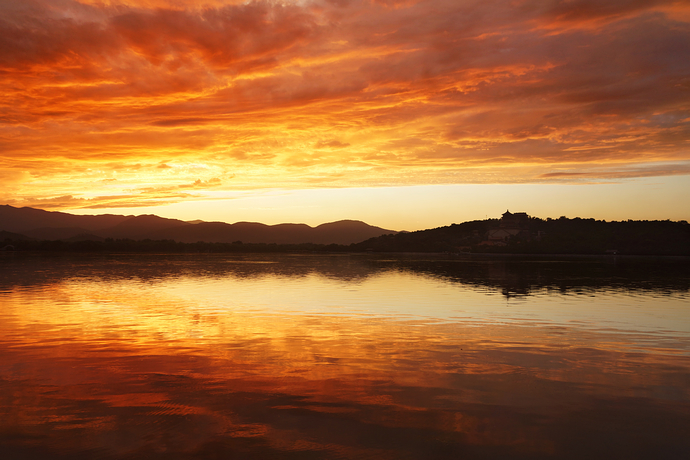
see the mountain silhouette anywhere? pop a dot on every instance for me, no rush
(21, 220)
(46, 225)
(342, 232)
(54, 233)
(140, 227)
(13, 236)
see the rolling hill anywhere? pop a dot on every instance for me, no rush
(46, 225)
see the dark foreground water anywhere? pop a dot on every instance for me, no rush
(320, 357)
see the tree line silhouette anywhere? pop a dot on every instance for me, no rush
(538, 236)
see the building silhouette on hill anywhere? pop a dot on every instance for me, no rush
(511, 225)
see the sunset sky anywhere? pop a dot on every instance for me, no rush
(405, 114)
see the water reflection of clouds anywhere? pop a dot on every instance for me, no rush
(332, 385)
(191, 358)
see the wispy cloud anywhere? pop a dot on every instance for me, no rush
(340, 93)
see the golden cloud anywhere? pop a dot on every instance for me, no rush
(342, 93)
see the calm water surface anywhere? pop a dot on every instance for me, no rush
(348, 356)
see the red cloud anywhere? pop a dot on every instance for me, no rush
(583, 10)
(251, 33)
(403, 84)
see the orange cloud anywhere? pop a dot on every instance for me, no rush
(344, 93)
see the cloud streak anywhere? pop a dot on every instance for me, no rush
(340, 93)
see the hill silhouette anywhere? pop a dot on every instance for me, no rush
(342, 232)
(11, 236)
(46, 225)
(519, 233)
(531, 235)
(55, 233)
(141, 227)
(21, 220)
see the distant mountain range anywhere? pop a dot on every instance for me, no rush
(34, 229)
(46, 225)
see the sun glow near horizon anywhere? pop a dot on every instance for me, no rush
(387, 108)
(421, 207)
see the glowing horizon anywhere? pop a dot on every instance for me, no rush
(178, 107)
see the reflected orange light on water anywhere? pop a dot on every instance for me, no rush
(194, 365)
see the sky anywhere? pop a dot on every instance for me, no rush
(405, 114)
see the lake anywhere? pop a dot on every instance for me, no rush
(343, 356)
